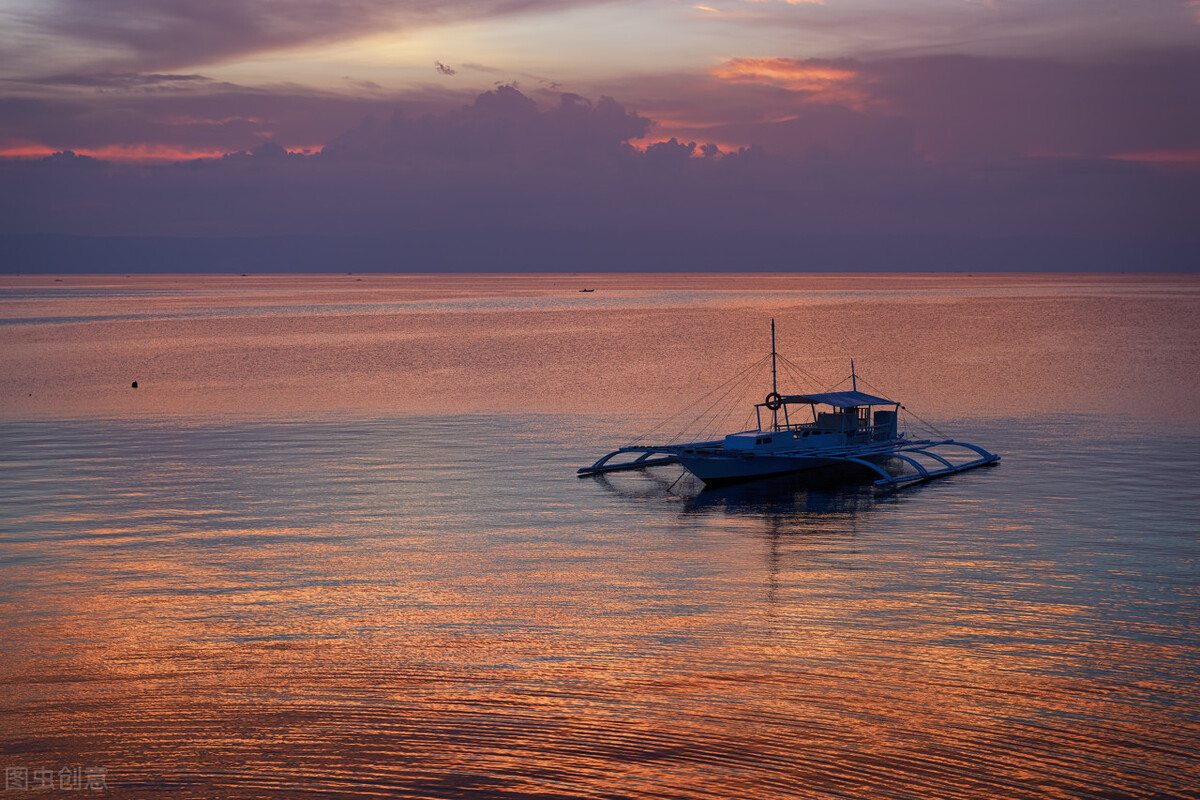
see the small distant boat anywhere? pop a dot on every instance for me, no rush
(810, 432)
(587, 290)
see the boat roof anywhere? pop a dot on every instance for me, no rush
(839, 399)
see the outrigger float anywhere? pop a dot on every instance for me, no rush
(837, 430)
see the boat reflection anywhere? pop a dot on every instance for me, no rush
(831, 495)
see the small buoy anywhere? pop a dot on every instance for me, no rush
(135, 384)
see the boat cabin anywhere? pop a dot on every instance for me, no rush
(831, 419)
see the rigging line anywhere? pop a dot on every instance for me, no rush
(911, 418)
(746, 397)
(691, 406)
(928, 425)
(740, 377)
(788, 373)
(736, 388)
(787, 417)
(796, 369)
(806, 374)
(799, 377)
(839, 383)
(871, 386)
(732, 407)
(790, 369)
(739, 391)
(696, 402)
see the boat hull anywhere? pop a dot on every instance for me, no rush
(721, 469)
(893, 463)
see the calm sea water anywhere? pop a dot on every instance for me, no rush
(334, 545)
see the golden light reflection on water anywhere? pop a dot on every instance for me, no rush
(377, 604)
(266, 345)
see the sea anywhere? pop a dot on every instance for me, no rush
(333, 544)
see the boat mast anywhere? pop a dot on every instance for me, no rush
(774, 381)
(853, 377)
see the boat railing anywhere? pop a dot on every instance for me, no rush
(869, 433)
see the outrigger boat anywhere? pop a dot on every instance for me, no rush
(834, 429)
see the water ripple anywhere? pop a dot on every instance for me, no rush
(324, 609)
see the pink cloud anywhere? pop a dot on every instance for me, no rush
(818, 81)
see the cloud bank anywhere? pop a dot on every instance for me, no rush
(781, 161)
(513, 178)
(157, 35)
(502, 127)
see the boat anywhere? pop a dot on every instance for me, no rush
(587, 290)
(849, 432)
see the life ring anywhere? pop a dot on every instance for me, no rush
(773, 401)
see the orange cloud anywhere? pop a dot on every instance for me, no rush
(129, 153)
(822, 82)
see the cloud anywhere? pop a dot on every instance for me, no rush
(939, 108)
(503, 171)
(155, 35)
(1013, 28)
(664, 208)
(169, 116)
(500, 126)
(503, 162)
(120, 80)
(978, 108)
(817, 79)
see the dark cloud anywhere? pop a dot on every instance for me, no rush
(153, 35)
(504, 162)
(941, 108)
(820, 131)
(972, 108)
(653, 210)
(1010, 28)
(501, 175)
(907, 139)
(120, 80)
(197, 115)
(502, 126)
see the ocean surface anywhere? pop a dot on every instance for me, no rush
(334, 545)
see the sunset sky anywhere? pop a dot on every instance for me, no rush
(1054, 132)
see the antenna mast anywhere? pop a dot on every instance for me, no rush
(774, 386)
(774, 381)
